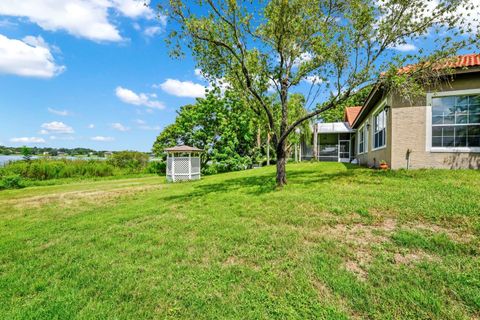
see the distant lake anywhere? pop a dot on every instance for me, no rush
(5, 159)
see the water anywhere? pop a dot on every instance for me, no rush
(5, 159)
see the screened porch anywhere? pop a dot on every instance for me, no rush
(334, 141)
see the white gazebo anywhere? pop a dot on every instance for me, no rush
(183, 163)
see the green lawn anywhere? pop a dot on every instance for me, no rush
(337, 242)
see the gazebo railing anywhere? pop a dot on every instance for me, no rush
(183, 168)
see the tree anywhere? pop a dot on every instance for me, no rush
(336, 114)
(219, 125)
(26, 153)
(337, 46)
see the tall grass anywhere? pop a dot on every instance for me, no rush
(45, 169)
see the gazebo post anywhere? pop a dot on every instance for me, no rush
(173, 166)
(189, 166)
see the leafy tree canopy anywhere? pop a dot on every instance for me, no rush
(337, 113)
(220, 126)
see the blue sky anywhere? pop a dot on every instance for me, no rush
(112, 87)
(92, 73)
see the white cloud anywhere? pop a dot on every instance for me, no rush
(136, 26)
(405, 47)
(134, 8)
(152, 31)
(141, 99)
(61, 138)
(153, 128)
(83, 18)
(29, 58)
(144, 126)
(304, 57)
(182, 88)
(91, 126)
(56, 127)
(120, 127)
(102, 138)
(313, 79)
(198, 73)
(28, 140)
(59, 112)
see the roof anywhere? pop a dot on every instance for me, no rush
(462, 61)
(334, 127)
(351, 114)
(183, 148)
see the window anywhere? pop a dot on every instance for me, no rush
(361, 140)
(456, 121)
(379, 129)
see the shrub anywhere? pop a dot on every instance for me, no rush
(131, 160)
(157, 167)
(12, 182)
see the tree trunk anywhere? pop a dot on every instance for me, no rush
(281, 162)
(259, 138)
(315, 143)
(268, 148)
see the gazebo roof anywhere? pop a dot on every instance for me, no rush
(183, 148)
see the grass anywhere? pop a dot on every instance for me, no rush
(337, 242)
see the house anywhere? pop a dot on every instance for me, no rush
(438, 130)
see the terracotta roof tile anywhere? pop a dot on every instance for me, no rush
(351, 114)
(464, 61)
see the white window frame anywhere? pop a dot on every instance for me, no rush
(428, 144)
(380, 108)
(363, 129)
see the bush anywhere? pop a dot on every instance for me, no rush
(12, 182)
(272, 162)
(157, 167)
(132, 160)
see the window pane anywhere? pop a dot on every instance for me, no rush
(474, 130)
(462, 100)
(448, 141)
(437, 120)
(462, 118)
(436, 141)
(474, 118)
(474, 108)
(461, 131)
(449, 119)
(474, 141)
(460, 141)
(448, 131)
(475, 100)
(443, 103)
(437, 131)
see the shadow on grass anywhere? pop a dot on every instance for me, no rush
(265, 183)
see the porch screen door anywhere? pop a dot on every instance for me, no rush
(344, 151)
